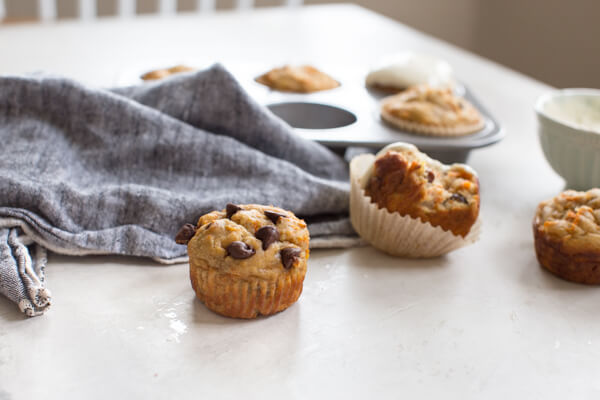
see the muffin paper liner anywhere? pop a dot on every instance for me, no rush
(393, 233)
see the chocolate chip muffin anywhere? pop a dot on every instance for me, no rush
(300, 79)
(247, 260)
(566, 230)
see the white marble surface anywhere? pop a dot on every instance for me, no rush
(483, 322)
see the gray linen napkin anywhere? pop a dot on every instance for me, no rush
(91, 171)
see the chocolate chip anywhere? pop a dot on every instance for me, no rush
(185, 234)
(459, 197)
(273, 216)
(288, 256)
(267, 234)
(430, 176)
(240, 250)
(231, 209)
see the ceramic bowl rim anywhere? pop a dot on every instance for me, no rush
(558, 93)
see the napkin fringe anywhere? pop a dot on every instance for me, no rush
(23, 262)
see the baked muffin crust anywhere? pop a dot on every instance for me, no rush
(301, 79)
(406, 181)
(567, 235)
(572, 218)
(248, 260)
(427, 110)
(216, 232)
(165, 72)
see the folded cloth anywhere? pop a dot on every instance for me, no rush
(92, 171)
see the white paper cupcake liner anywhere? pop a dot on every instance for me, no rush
(395, 234)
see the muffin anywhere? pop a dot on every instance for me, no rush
(566, 230)
(407, 204)
(401, 71)
(165, 72)
(300, 79)
(247, 260)
(430, 111)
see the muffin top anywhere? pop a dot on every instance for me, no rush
(425, 105)
(407, 181)
(573, 218)
(302, 79)
(406, 69)
(249, 240)
(165, 72)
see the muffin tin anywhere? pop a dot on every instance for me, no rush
(348, 116)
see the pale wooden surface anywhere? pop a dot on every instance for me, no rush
(483, 322)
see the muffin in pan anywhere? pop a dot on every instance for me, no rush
(158, 74)
(431, 111)
(247, 260)
(407, 204)
(566, 231)
(299, 79)
(398, 72)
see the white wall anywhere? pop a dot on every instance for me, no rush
(555, 41)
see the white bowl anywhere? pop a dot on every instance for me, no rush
(569, 131)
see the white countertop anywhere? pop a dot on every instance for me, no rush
(485, 322)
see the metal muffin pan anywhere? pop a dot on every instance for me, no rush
(348, 116)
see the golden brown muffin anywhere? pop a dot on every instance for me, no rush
(406, 181)
(387, 90)
(247, 260)
(430, 111)
(300, 79)
(566, 230)
(165, 72)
